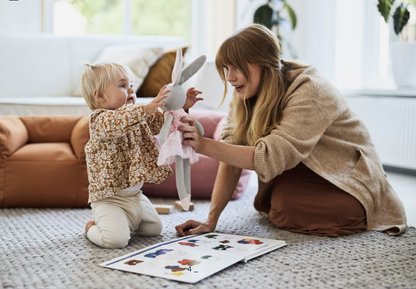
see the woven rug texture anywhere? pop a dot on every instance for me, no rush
(47, 248)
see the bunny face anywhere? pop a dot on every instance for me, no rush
(177, 96)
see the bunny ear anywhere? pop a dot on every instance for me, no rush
(177, 69)
(192, 68)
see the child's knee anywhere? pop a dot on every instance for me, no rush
(158, 228)
(109, 238)
(115, 241)
(150, 228)
(155, 228)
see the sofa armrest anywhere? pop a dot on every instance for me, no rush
(80, 136)
(13, 135)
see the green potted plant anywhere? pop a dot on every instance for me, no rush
(271, 16)
(400, 16)
(403, 53)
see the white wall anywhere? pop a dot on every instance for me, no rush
(314, 34)
(20, 17)
(214, 23)
(329, 35)
(349, 44)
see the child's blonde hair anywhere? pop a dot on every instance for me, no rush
(98, 76)
(256, 117)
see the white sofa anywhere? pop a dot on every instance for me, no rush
(39, 74)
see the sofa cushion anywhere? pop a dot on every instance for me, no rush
(208, 119)
(43, 152)
(203, 175)
(49, 128)
(44, 184)
(218, 129)
(159, 74)
(203, 172)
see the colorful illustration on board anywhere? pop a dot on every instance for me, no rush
(190, 243)
(211, 236)
(189, 262)
(250, 241)
(158, 253)
(177, 274)
(176, 268)
(206, 257)
(225, 241)
(133, 262)
(222, 247)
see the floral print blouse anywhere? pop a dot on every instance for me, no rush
(121, 151)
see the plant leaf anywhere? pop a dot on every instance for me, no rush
(264, 15)
(292, 15)
(384, 7)
(400, 18)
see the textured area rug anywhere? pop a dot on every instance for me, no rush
(47, 248)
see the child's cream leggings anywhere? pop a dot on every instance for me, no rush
(116, 216)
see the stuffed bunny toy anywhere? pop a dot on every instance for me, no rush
(170, 138)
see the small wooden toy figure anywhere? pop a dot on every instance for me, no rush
(170, 138)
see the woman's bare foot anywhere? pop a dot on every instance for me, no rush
(89, 225)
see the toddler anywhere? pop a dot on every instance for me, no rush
(121, 154)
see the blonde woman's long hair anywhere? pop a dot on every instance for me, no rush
(257, 116)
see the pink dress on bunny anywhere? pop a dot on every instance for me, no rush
(173, 145)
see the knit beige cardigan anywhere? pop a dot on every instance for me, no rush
(319, 129)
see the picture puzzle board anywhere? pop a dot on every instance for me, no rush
(193, 258)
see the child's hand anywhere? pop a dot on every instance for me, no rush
(151, 107)
(191, 97)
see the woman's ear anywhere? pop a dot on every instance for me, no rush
(99, 95)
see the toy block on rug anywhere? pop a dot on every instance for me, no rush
(179, 206)
(163, 209)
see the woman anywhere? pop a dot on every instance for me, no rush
(318, 171)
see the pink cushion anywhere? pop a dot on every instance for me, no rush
(208, 119)
(218, 129)
(203, 175)
(203, 172)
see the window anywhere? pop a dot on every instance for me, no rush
(378, 37)
(136, 17)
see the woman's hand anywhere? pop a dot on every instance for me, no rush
(191, 134)
(192, 227)
(191, 98)
(151, 107)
